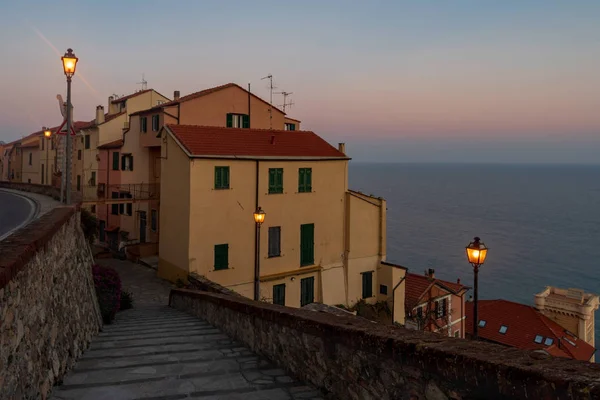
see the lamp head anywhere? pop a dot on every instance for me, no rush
(69, 63)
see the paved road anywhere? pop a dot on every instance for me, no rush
(154, 352)
(14, 211)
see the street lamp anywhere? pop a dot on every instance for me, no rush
(476, 254)
(47, 135)
(69, 65)
(259, 218)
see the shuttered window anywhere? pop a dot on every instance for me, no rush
(155, 122)
(304, 180)
(87, 141)
(144, 124)
(289, 126)
(307, 291)
(115, 207)
(238, 121)
(275, 180)
(274, 241)
(307, 244)
(221, 177)
(367, 285)
(115, 161)
(279, 294)
(153, 220)
(221, 256)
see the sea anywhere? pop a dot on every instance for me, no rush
(540, 222)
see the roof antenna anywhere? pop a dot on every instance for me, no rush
(144, 83)
(285, 103)
(271, 87)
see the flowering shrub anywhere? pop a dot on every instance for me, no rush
(108, 291)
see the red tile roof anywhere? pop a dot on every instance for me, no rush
(416, 286)
(218, 141)
(112, 145)
(120, 99)
(524, 323)
(200, 94)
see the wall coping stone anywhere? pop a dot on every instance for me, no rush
(471, 366)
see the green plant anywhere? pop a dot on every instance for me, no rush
(89, 225)
(179, 283)
(126, 300)
(108, 291)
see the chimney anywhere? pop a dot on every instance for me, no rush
(458, 281)
(431, 273)
(342, 148)
(99, 115)
(176, 95)
(110, 100)
(272, 139)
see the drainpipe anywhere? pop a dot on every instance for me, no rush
(394, 297)
(256, 270)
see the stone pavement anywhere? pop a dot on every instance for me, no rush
(155, 352)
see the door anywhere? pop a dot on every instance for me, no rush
(142, 226)
(307, 291)
(307, 244)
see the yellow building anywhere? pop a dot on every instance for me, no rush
(319, 242)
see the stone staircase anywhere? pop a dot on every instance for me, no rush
(156, 352)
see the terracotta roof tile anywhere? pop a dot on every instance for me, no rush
(416, 287)
(218, 141)
(201, 93)
(120, 99)
(112, 145)
(523, 324)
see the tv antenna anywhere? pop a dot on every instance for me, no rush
(271, 87)
(285, 103)
(144, 83)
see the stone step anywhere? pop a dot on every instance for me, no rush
(164, 332)
(182, 324)
(207, 336)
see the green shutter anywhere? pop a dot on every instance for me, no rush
(271, 180)
(115, 161)
(229, 120)
(275, 180)
(131, 163)
(115, 207)
(218, 181)
(308, 180)
(221, 256)
(307, 244)
(279, 294)
(301, 175)
(367, 285)
(304, 180)
(292, 127)
(221, 177)
(245, 121)
(307, 291)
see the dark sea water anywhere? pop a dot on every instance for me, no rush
(541, 223)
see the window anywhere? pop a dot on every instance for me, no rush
(51, 144)
(155, 122)
(93, 179)
(78, 183)
(221, 256)
(419, 312)
(503, 329)
(122, 205)
(126, 208)
(481, 323)
(441, 308)
(28, 180)
(457, 333)
(87, 141)
(79, 154)
(275, 180)
(279, 294)
(238, 121)
(114, 208)
(144, 124)
(30, 158)
(289, 126)
(382, 289)
(115, 161)
(221, 177)
(127, 162)
(548, 341)
(153, 220)
(274, 241)
(304, 180)
(42, 143)
(307, 244)
(538, 339)
(367, 285)
(307, 291)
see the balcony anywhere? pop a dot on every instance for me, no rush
(120, 193)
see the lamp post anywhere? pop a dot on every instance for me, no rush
(48, 136)
(259, 218)
(69, 64)
(476, 253)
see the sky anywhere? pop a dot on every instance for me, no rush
(397, 81)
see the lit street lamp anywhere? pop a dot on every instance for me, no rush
(476, 253)
(69, 64)
(259, 218)
(47, 135)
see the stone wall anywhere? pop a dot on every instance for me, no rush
(350, 358)
(48, 307)
(33, 188)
